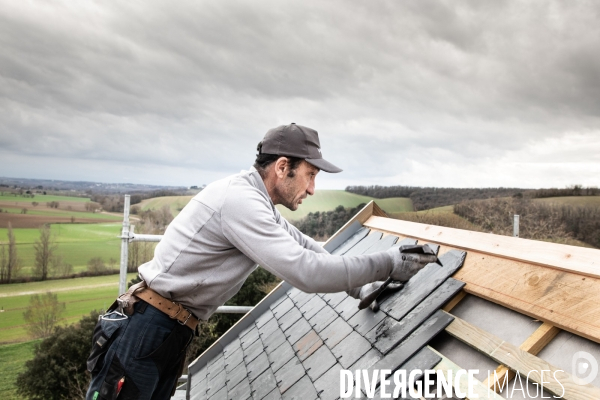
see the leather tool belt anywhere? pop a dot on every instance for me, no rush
(173, 309)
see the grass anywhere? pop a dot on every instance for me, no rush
(576, 201)
(61, 213)
(175, 203)
(40, 198)
(13, 358)
(77, 243)
(80, 295)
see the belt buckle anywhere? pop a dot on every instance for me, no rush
(187, 319)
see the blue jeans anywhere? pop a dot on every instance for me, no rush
(144, 351)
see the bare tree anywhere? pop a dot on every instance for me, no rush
(10, 264)
(44, 248)
(42, 314)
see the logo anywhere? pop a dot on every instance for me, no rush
(585, 368)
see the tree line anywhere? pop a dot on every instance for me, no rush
(321, 225)
(425, 198)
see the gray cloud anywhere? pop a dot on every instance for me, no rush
(421, 93)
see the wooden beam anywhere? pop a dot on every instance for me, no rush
(554, 380)
(575, 259)
(454, 302)
(479, 389)
(533, 345)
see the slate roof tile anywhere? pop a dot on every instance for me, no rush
(349, 350)
(351, 241)
(333, 299)
(335, 332)
(273, 341)
(364, 320)
(302, 298)
(307, 345)
(289, 374)
(282, 308)
(310, 308)
(231, 348)
(319, 362)
(323, 318)
(264, 318)
(267, 329)
(234, 360)
(302, 390)
(241, 391)
(249, 338)
(289, 318)
(237, 375)
(253, 351)
(263, 385)
(220, 395)
(272, 395)
(328, 385)
(299, 329)
(347, 308)
(280, 356)
(257, 366)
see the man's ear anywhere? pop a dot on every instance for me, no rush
(281, 167)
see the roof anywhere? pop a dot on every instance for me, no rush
(485, 307)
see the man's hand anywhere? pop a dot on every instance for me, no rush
(371, 291)
(408, 260)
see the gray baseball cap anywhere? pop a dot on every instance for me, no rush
(296, 141)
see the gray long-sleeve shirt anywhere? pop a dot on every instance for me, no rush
(232, 225)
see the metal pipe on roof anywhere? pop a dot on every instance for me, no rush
(233, 309)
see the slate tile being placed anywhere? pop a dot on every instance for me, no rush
(323, 318)
(368, 360)
(365, 320)
(335, 332)
(390, 332)
(296, 331)
(333, 299)
(382, 245)
(238, 374)
(241, 391)
(264, 318)
(257, 366)
(422, 284)
(253, 351)
(289, 318)
(281, 356)
(263, 385)
(307, 345)
(289, 374)
(282, 308)
(364, 244)
(352, 348)
(234, 360)
(319, 362)
(328, 385)
(411, 345)
(251, 337)
(301, 390)
(347, 308)
(310, 308)
(351, 241)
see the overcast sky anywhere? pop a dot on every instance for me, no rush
(425, 93)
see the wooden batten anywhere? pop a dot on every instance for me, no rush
(550, 282)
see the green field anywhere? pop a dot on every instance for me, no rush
(323, 200)
(13, 358)
(40, 198)
(576, 201)
(77, 243)
(80, 295)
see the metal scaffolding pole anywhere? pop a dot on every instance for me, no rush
(124, 247)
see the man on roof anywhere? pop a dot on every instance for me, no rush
(207, 253)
